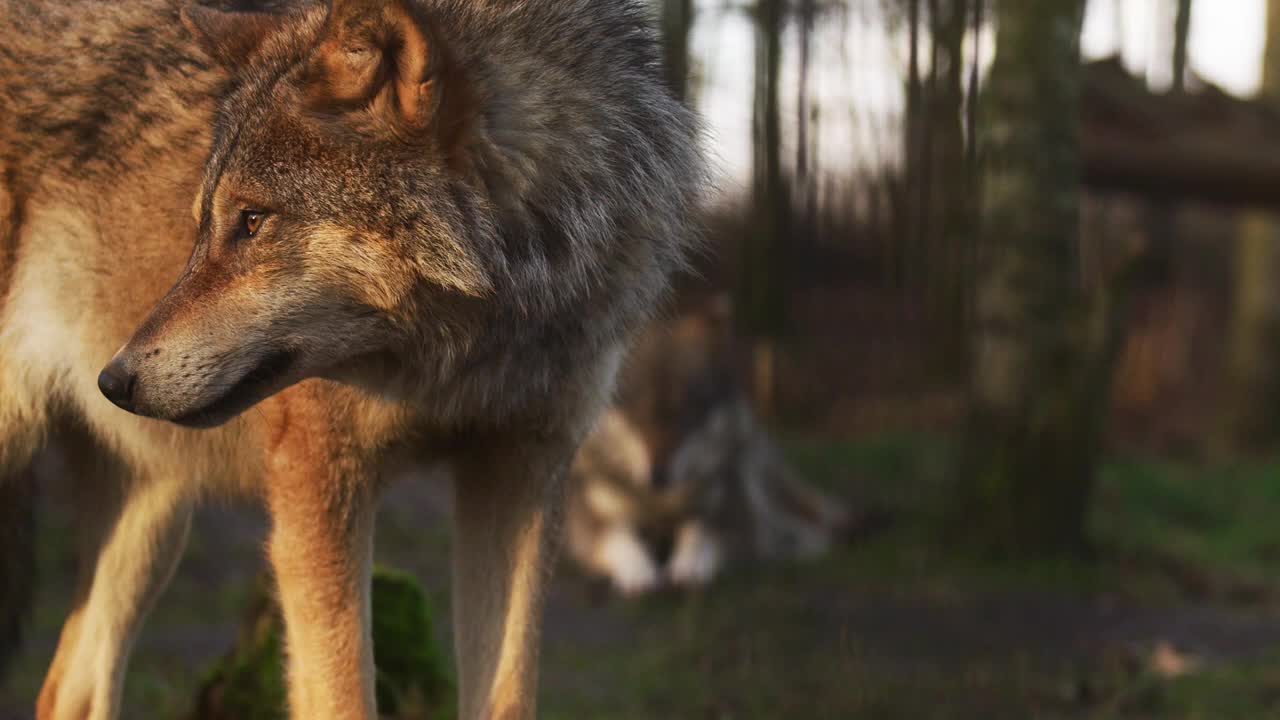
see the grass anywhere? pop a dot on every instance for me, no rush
(902, 627)
(1213, 528)
(1161, 531)
(897, 625)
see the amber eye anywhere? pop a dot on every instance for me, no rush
(250, 221)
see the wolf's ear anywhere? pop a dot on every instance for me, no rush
(384, 57)
(230, 37)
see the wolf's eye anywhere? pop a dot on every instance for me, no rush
(250, 221)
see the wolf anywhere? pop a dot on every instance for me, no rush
(281, 252)
(679, 478)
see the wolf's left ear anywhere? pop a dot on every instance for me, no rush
(383, 56)
(230, 37)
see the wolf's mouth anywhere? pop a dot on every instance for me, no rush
(247, 391)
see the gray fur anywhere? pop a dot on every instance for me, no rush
(587, 179)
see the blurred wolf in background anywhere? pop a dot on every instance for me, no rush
(401, 232)
(679, 477)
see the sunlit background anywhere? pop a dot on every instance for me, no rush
(858, 66)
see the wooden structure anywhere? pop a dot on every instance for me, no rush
(1203, 145)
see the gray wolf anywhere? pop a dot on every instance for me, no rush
(679, 478)
(302, 248)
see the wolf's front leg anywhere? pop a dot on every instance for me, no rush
(322, 514)
(507, 506)
(133, 533)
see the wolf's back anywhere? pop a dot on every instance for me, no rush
(89, 90)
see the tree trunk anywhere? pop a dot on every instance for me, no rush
(764, 270)
(950, 201)
(806, 173)
(1249, 416)
(1181, 34)
(677, 23)
(1039, 374)
(909, 222)
(935, 235)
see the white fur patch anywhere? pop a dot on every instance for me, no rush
(35, 330)
(697, 557)
(627, 562)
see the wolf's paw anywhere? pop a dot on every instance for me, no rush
(629, 565)
(697, 556)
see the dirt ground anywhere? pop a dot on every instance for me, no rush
(880, 629)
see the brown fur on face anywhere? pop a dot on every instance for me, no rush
(340, 130)
(318, 284)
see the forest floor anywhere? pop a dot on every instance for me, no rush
(1177, 615)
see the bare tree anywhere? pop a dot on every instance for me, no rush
(764, 271)
(937, 195)
(806, 160)
(1181, 34)
(949, 202)
(677, 24)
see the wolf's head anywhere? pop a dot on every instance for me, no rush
(334, 206)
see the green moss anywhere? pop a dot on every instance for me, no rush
(412, 680)
(412, 675)
(248, 683)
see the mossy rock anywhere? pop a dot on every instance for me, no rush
(412, 680)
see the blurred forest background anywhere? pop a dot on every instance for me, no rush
(1006, 279)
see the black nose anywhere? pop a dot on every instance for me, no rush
(116, 382)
